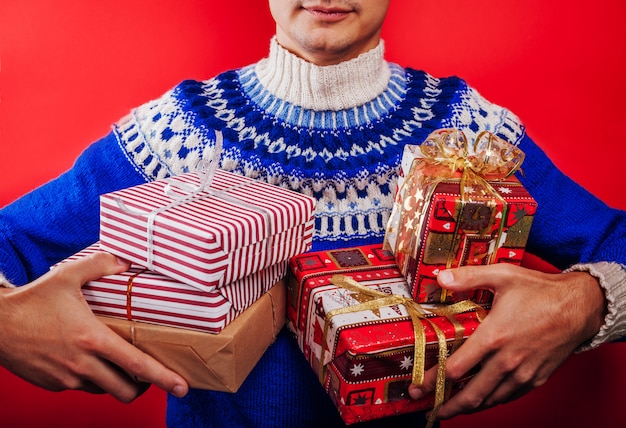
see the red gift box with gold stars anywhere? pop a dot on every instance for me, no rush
(450, 213)
(363, 343)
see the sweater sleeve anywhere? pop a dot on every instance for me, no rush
(62, 216)
(612, 278)
(574, 230)
(571, 225)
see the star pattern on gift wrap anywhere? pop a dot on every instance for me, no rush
(407, 227)
(350, 258)
(469, 189)
(504, 190)
(317, 332)
(359, 400)
(357, 369)
(309, 262)
(413, 213)
(406, 363)
(520, 213)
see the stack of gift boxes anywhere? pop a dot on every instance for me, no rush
(371, 320)
(205, 293)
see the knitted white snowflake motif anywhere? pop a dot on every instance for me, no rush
(161, 138)
(168, 136)
(474, 114)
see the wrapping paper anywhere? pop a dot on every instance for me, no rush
(142, 295)
(450, 212)
(365, 359)
(206, 234)
(218, 362)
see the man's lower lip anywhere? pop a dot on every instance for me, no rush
(328, 16)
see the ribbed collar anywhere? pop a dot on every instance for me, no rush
(332, 87)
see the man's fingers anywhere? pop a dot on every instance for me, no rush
(471, 398)
(103, 377)
(498, 381)
(459, 364)
(140, 366)
(91, 267)
(135, 367)
(485, 277)
(119, 384)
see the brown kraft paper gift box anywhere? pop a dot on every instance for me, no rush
(218, 362)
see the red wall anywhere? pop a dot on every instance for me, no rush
(70, 68)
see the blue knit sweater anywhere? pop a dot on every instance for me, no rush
(346, 157)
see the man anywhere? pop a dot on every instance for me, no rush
(326, 115)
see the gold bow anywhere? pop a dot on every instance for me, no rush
(377, 300)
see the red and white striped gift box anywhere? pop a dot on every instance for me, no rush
(206, 238)
(143, 295)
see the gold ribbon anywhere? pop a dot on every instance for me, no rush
(440, 157)
(377, 300)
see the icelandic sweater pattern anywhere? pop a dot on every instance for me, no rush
(347, 159)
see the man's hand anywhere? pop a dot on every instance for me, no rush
(50, 337)
(536, 322)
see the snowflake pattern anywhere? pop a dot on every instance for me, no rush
(469, 190)
(170, 135)
(504, 190)
(357, 370)
(406, 363)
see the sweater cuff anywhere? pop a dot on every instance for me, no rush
(4, 282)
(612, 279)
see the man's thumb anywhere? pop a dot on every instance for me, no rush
(94, 266)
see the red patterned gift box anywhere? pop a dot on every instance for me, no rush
(206, 235)
(146, 296)
(455, 209)
(366, 358)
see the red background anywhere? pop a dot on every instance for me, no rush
(70, 68)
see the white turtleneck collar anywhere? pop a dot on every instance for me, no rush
(332, 87)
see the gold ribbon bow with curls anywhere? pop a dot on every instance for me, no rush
(376, 300)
